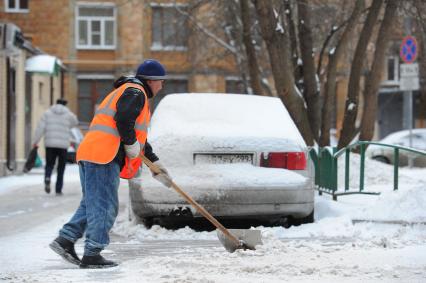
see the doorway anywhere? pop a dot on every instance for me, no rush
(10, 117)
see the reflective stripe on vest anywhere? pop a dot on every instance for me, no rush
(113, 131)
(102, 141)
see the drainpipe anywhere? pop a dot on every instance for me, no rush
(51, 90)
(62, 83)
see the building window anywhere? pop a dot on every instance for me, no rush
(16, 6)
(95, 26)
(169, 28)
(392, 71)
(172, 85)
(91, 92)
(234, 85)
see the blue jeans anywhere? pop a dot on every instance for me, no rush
(98, 207)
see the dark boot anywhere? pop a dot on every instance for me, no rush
(65, 249)
(96, 261)
(47, 185)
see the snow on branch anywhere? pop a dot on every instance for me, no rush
(279, 27)
(206, 31)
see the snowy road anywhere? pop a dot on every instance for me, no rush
(333, 249)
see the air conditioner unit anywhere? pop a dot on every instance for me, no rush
(2, 36)
(10, 36)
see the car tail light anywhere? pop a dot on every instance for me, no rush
(285, 160)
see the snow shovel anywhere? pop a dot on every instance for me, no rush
(232, 239)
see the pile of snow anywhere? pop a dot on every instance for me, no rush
(215, 179)
(209, 122)
(407, 204)
(341, 219)
(230, 115)
(333, 249)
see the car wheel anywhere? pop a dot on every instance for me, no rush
(304, 220)
(147, 222)
(381, 159)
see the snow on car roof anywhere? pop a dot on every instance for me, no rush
(231, 115)
(396, 136)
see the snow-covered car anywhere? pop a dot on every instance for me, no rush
(402, 138)
(239, 156)
(76, 138)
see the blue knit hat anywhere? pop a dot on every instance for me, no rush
(151, 70)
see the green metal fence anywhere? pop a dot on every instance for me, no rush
(326, 168)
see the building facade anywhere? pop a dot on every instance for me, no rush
(97, 41)
(25, 93)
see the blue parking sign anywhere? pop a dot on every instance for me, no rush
(408, 49)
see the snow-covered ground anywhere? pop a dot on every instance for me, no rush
(358, 238)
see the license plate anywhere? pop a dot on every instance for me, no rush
(219, 158)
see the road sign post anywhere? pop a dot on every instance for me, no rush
(409, 81)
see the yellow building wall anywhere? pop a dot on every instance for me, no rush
(2, 109)
(20, 109)
(207, 83)
(41, 101)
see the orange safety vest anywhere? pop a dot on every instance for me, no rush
(102, 141)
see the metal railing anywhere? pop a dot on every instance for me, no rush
(326, 168)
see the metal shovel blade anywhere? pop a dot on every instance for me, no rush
(249, 239)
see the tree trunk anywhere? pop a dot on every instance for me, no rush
(311, 92)
(288, 11)
(374, 79)
(330, 85)
(279, 56)
(253, 66)
(421, 35)
(351, 108)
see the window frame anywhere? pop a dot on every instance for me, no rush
(170, 78)
(89, 20)
(233, 79)
(17, 8)
(90, 77)
(395, 81)
(158, 46)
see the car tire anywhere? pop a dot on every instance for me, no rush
(381, 159)
(305, 220)
(147, 222)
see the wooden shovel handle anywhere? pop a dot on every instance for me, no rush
(195, 204)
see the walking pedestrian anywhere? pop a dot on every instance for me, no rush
(110, 150)
(55, 126)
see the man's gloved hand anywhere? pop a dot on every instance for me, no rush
(132, 150)
(163, 177)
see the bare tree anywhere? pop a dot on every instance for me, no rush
(330, 86)
(373, 80)
(253, 65)
(276, 40)
(290, 27)
(310, 90)
(349, 130)
(420, 15)
(288, 11)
